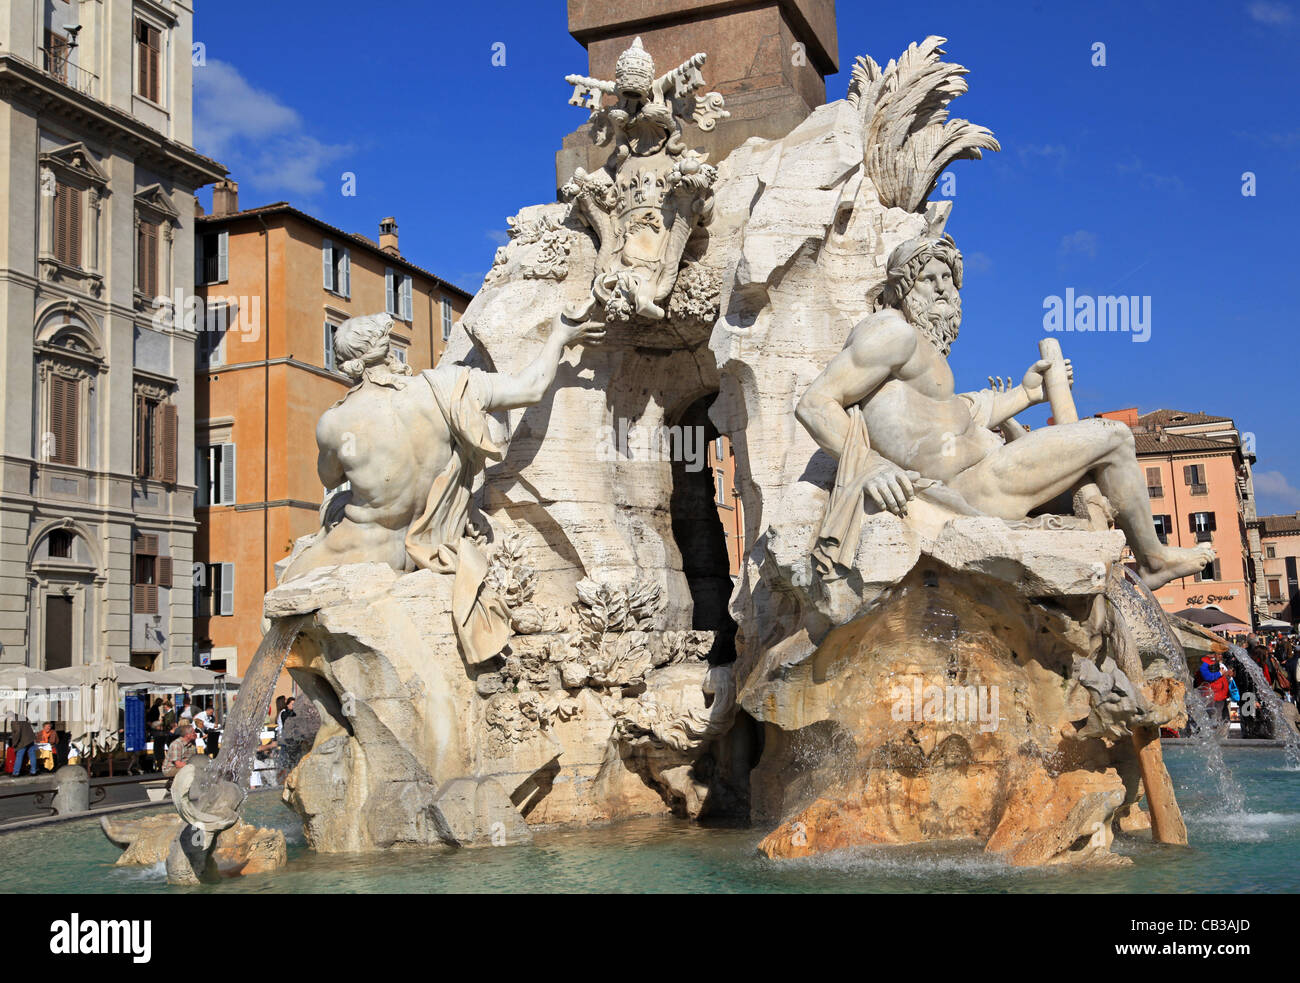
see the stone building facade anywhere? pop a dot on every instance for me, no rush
(96, 421)
(275, 283)
(1280, 543)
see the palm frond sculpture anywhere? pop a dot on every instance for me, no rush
(907, 135)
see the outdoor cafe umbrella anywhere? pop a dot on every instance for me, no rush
(1208, 617)
(34, 694)
(93, 723)
(1273, 624)
(1232, 627)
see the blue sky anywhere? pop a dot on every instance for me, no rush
(1121, 179)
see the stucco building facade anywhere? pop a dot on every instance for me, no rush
(275, 283)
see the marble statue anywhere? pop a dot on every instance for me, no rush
(653, 192)
(601, 660)
(409, 450)
(886, 408)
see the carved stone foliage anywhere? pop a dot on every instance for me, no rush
(550, 258)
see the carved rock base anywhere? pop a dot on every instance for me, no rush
(947, 714)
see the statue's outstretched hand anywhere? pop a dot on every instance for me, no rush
(591, 332)
(890, 486)
(1032, 383)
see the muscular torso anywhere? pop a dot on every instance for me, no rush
(916, 420)
(390, 445)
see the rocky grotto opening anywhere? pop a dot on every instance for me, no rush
(701, 495)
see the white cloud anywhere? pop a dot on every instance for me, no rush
(261, 140)
(1081, 242)
(977, 263)
(498, 236)
(1282, 496)
(1266, 12)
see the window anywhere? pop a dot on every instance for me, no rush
(719, 449)
(720, 487)
(67, 224)
(330, 331)
(150, 571)
(1202, 524)
(57, 53)
(155, 439)
(397, 294)
(1211, 572)
(399, 354)
(446, 319)
(1154, 486)
(65, 420)
(1271, 552)
(211, 346)
(1164, 526)
(336, 265)
(146, 258)
(1274, 589)
(60, 542)
(212, 257)
(148, 49)
(215, 475)
(214, 596)
(1194, 476)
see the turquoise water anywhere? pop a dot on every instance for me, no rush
(1253, 852)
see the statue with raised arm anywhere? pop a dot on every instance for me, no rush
(886, 408)
(410, 448)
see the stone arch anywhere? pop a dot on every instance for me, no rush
(42, 532)
(64, 321)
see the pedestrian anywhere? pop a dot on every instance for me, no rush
(47, 743)
(1214, 678)
(23, 740)
(187, 711)
(205, 722)
(284, 715)
(181, 750)
(168, 716)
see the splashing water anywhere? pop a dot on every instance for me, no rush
(244, 721)
(1141, 606)
(1282, 729)
(1205, 734)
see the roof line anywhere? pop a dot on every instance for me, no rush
(360, 240)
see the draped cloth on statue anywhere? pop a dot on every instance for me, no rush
(841, 528)
(437, 540)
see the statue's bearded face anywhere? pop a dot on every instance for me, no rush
(934, 305)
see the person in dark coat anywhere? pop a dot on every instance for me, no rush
(23, 740)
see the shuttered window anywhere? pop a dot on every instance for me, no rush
(145, 580)
(146, 259)
(212, 257)
(156, 435)
(148, 48)
(215, 475)
(67, 224)
(65, 419)
(446, 319)
(390, 292)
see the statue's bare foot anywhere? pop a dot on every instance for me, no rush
(1172, 562)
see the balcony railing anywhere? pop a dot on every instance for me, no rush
(1155, 491)
(1204, 536)
(1200, 489)
(56, 63)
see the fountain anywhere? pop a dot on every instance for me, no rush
(933, 638)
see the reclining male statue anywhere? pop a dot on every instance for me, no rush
(885, 407)
(410, 451)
